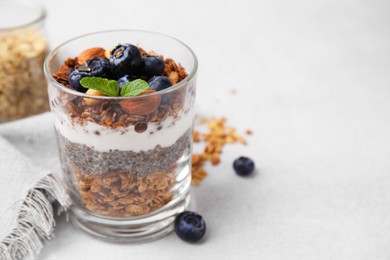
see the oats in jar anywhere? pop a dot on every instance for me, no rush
(22, 82)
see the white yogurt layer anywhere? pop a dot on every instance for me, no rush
(102, 138)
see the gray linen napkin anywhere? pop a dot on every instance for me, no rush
(29, 168)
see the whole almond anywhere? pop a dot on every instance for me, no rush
(89, 54)
(141, 106)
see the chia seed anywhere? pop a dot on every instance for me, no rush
(139, 164)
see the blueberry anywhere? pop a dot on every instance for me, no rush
(99, 67)
(125, 59)
(159, 83)
(152, 66)
(74, 80)
(190, 226)
(243, 166)
(126, 78)
(95, 67)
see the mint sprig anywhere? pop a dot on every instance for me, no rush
(134, 88)
(105, 86)
(111, 87)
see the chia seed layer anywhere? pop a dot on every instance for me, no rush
(139, 164)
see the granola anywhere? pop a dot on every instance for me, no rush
(215, 139)
(120, 194)
(22, 83)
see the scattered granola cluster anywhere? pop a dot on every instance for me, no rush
(22, 82)
(216, 138)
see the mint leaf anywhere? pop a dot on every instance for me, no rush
(113, 84)
(107, 87)
(134, 88)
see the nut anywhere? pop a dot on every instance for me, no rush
(107, 53)
(173, 77)
(148, 91)
(89, 54)
(141, 106)
(92, 101)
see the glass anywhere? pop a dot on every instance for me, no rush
(23, 48)
(126, 161)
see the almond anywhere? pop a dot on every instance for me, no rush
(148, 91)
(89, 54)
(141, 106)
(92, 101)
(107, 53)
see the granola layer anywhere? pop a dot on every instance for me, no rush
(119, 194)
(123, 183)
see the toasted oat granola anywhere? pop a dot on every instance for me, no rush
(125, 195)
(215, 139)
(22, 83)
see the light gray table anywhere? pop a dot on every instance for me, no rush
(313, 83)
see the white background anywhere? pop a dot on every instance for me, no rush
(312, 81)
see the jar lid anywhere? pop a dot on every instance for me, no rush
(19, 13)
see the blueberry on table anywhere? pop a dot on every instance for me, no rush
(159, 83)
(152, 66)
(190, 226)
(125, 59)
(243, 166)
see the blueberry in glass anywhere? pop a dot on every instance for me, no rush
(152, 66)
(125, 59)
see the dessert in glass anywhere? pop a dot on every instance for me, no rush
(122, 103)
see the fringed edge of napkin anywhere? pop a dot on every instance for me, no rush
(35, 220)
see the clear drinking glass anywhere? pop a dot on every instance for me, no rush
(125, 160)
(23, 48)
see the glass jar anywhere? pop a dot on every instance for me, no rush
(23, 48)
(126, 160)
